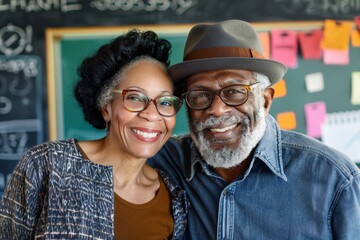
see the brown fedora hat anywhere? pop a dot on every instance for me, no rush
(232, 44)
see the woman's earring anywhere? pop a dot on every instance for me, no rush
(107, 126)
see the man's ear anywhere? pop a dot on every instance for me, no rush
(268, 98)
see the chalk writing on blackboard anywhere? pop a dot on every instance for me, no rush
(20, 109)
(36, 6)
(19, 78)
(333, 7)
(178, 6)
(15, 40)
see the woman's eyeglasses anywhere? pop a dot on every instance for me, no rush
(136, 101)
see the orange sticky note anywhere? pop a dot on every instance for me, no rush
(280, 89)
(355, 38)
(336, 35)
(286, 120)
(284, 47)
(265, 43)
(310, 44)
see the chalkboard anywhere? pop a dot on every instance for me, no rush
(70, 46)
(21, 115)
(23, 24)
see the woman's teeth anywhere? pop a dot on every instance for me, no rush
(145, 134)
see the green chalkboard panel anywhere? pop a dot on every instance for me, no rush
(69, 52)
(72, 52)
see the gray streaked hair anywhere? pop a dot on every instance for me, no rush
(106, 95)
(262, 79)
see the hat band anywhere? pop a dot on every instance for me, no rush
(217, 52)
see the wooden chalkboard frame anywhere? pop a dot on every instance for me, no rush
(53, 37)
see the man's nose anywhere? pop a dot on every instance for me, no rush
(218, 107)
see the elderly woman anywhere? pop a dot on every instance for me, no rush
(103, 189)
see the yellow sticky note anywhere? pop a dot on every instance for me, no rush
(280, 89)
(336, 35)
(286, 120)
(355, 88)
(355, 38)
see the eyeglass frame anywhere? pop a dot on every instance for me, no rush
(248, 88)
(149, 100)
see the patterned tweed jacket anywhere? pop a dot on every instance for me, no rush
(55, 193)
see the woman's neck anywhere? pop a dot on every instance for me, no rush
(134, 181)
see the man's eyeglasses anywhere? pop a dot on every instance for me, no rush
(136, 101)
(233, 95)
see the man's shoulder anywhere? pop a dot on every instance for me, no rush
(296, 140)
(308, 147)
(173, 157)
(183, 139)
(175, 152)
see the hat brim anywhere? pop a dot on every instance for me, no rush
(274, 70)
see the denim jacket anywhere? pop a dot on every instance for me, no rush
(55, 193)
(295, 188)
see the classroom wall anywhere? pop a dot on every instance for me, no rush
(24, 106)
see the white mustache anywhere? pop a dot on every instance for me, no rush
(213, 121)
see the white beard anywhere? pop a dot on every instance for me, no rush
(229, 157)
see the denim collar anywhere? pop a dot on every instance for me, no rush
(268, 151)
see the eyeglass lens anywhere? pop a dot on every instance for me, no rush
(136, 101)
(231, 95)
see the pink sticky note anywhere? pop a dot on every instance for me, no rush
(357, 21)
(310, 44)
(336, 57)
(314, 115)
(284, 47)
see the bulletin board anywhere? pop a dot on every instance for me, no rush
(66, 47)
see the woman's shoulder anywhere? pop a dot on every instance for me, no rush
(57, 144)
(51, 146)
(43, 152)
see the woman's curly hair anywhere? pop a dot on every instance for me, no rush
(98, 72)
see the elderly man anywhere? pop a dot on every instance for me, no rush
(246, 178)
